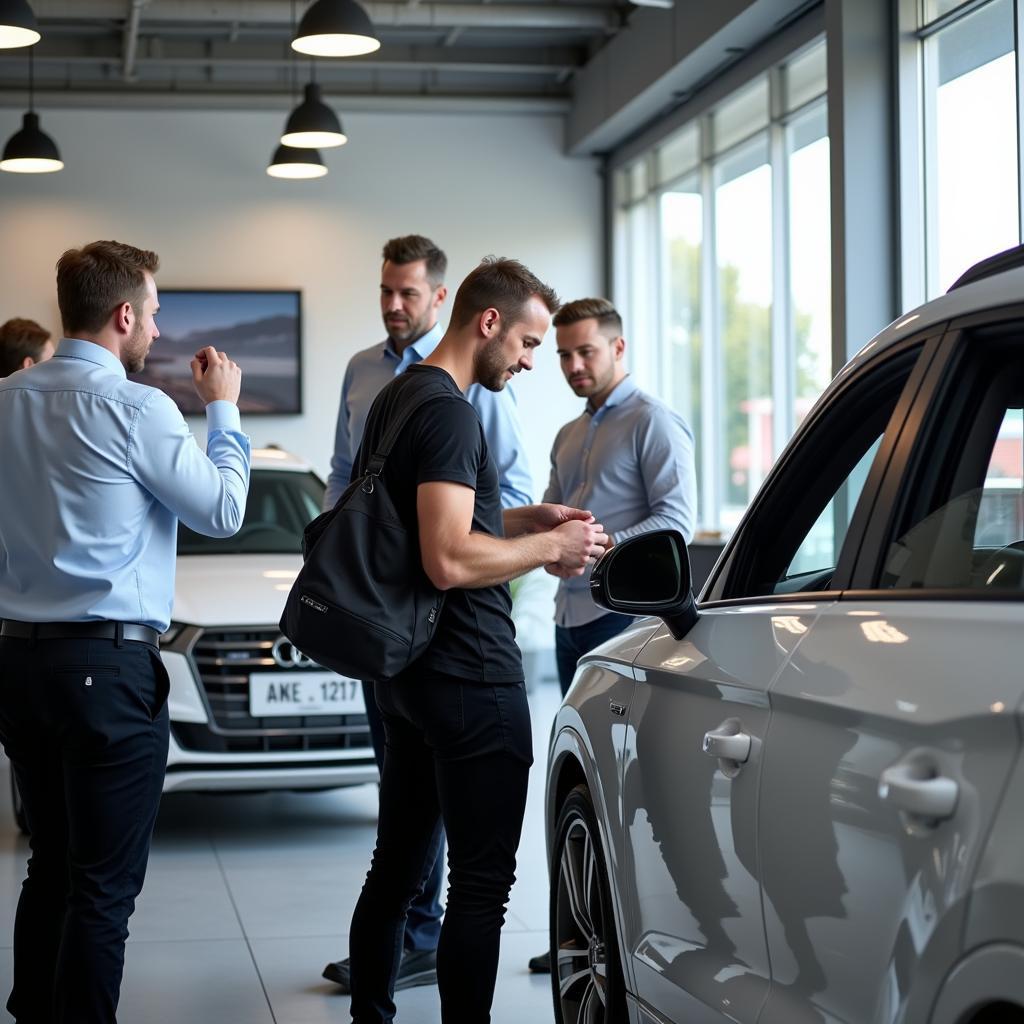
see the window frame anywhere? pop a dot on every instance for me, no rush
(732, 571)
(906, 477)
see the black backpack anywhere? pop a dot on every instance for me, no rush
(362, 604)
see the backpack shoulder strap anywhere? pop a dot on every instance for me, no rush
(418, 400)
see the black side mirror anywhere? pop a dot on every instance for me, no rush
(648, 575)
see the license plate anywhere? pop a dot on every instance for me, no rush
(304, 693)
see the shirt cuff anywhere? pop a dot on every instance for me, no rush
(223, 415)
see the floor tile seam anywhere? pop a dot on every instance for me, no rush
(245, 936)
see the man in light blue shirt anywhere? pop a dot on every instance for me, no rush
(101, 471)
(628, 457)
(412, 291)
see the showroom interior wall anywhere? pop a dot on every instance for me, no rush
(192, 185)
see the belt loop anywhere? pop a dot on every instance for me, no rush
(119, 634)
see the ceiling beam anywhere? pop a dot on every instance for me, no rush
(383, 15)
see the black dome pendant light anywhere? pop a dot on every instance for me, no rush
(335, 28)
(313, 124)
(17, 25)
(31, 150)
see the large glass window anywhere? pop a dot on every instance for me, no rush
(968, 83)
(725, 233)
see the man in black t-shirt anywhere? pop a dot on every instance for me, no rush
(457, 722)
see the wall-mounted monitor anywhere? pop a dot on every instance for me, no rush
(259, 330)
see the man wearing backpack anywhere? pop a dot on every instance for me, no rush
(457, 722)
(412, 293)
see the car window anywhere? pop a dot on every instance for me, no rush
(792, 538)
(819, 550)
(970, 535)
(279, 506)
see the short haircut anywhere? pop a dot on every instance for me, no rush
(20, 338)
(607, 316)
(410, 248)
(501, 284)
(94, 280)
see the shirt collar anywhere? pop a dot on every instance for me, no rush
(626, 387)
(78, 348)
(422, 346)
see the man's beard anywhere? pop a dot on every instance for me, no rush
(490, 366)
(135, 350)
(410, 331)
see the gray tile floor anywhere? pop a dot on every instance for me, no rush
(247, 897)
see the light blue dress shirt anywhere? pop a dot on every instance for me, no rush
(631, 463)
(365, 376)
(96, 472)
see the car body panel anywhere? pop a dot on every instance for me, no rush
(232, 590)
(695, 932)
(876, 684)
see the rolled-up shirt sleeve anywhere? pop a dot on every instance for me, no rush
(206, 491)
(667, 466)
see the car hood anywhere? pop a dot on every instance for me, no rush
(232, 590)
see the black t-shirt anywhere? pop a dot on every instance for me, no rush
(444, 441)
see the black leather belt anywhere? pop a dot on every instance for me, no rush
(81, 631)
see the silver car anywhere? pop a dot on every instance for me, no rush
(796, 800)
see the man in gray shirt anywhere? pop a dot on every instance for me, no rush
(628, 457)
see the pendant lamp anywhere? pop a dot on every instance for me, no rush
(313, 124)
(289, 162)
(17, 24)
(30, 151)
(335, 28)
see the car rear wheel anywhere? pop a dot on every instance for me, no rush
(18, 807)
(586, 972)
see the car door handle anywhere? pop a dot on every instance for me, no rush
(729, 746)
(933, 797)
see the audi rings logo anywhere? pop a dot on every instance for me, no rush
(287, 655)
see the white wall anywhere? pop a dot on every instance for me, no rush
(192, 186)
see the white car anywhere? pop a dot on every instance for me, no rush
(248, 711)
(797, 801)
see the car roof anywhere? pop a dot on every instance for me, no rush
(278, 458)
(998, 289)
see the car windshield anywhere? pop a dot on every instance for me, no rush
(280, 505)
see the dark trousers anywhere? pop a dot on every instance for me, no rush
(572, 642)
(460, 752)
(423, 922)
(85, 725)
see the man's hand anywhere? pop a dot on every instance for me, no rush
(581, 542)
(215, 377)
(547, 516)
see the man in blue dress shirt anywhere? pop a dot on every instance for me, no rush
(412, 292)
(627, 457)
(102, 471)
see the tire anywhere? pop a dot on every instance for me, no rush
(18, 807)
(586, 970)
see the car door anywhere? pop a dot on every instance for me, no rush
(893, 726)
(700, 711)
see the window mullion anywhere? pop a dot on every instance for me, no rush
(783, 343)
(711, 363)
(1018, 34)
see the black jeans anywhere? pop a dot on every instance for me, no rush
(423, 920)
(459, 751)
(85, 725)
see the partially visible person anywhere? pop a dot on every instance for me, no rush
(627, 456)
(412, 293)
(457, 723)
(23, 343)
(102, 471)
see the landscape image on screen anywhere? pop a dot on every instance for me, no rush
(258, 330)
